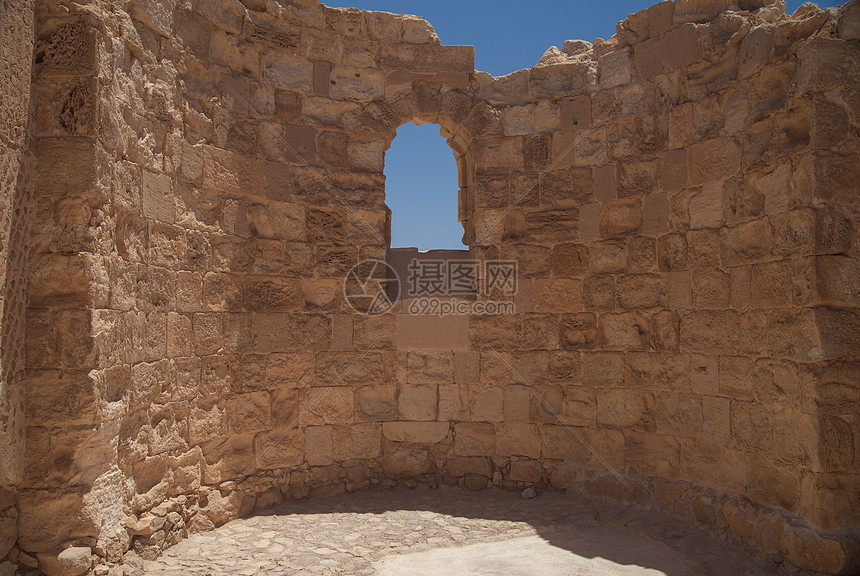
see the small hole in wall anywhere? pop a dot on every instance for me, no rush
(422, 189)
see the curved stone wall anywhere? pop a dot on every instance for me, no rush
(680, 200)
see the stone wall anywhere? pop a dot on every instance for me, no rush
(16, 23)
(680, 199)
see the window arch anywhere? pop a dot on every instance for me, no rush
(422, 190)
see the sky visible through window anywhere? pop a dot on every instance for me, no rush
(508, 35)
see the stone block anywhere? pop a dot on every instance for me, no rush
(588, 222)
(710, 331)
(715, 159)
(576, 112)
(706, 207)
(376, 403)
(615, 68)
(658, 371)
(746, 243)
(628, 331)
(428, 58)
(711, 288)
(330, 405)
(417, 402)
(547, 81)
(557, 296)
(653, 454)
(528, 471)
(599, 293)
(518, 440)
(73, 561)
(638, 178)
(474, 439)
(603, 368)
(416, 432)
(679, 415)
(319, 447)
(569, 260)
(578, 331)
(249, 412)
(620, 218)
(641, 292)
(809, 550)
(624, 409)
(655, 214)
(607, 257)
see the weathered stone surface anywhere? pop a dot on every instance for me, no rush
(179, 344)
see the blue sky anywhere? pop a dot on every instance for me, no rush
(421, 186)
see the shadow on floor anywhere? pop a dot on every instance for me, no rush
(588, 528)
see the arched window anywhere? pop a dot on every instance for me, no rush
(421, 189)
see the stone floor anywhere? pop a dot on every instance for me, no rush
(449, 531)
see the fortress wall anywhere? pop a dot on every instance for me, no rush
(680, 199)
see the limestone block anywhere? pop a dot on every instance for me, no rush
(427, 58)
(555, 296)
(569, 260)
(272, 294)
(528, 471)
(599, 293)
(620, 218)
(577, 332)
(809, 550)
(330, 405)
(709, 331)
(711, 288)
(362, 441)
(474, 439)
(230, 172)
(634, 28)
(277, 450)
(70, 49)
(616, 68)
(466, 367)
(416, 432)
(499, 154)
(715, 159)
(642, 255)
(603, 368)
(637, 178)
(626, 330)
(680, 415)
(660, 18)
(417, 402)
(73, 561)
(638, 292)
(622, 408)
(518, 440)
(547, 81)
(349, 368)
(655, 213)
(318, 445)
(487, 406)
(361, 85)
(827, 64)
(425, 367)
(60, 398)
(607, 257)
(576, 113)
(745, 243)
(249, 412)
(653, 454)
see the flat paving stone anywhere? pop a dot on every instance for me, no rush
(449, 531)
